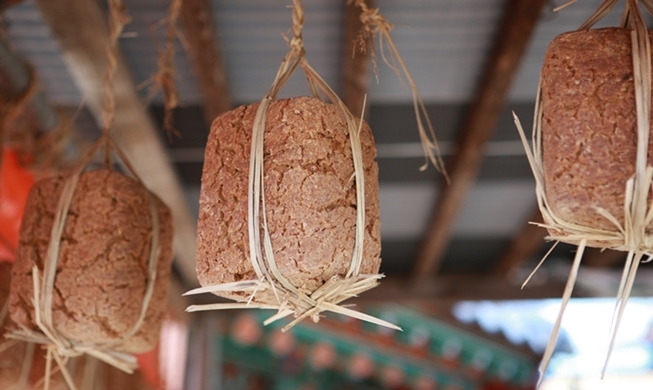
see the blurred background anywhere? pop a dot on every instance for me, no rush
(454, 254)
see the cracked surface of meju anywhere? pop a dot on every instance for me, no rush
(589, 136)
(102, 267)
(310, 197)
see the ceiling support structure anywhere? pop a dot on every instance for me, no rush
(456, 288)
(528, 241)
(531, 239)
(354, 61)
(596, 257)
(206, 57)
(517, 24)
(80, 27)
(14, 80)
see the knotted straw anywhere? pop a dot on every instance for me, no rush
(632, 236)
(374, 24)
(163, 79)
(289, 298)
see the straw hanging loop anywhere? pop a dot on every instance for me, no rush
(374, 24)
(275, 289)
(297, 41)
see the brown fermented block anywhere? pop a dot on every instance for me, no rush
(310, 196)
(589, 136)
(102, 268)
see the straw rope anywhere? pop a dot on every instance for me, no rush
(164, 77)
(289, 298)
(374, 24)
(632, 235)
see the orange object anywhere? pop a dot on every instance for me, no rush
(15, 183)
(148, 363)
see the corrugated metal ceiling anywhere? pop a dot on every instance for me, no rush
(444, 43)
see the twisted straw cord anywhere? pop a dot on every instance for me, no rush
(290, 299)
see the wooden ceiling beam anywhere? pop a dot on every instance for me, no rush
(596, 257)
(15, 79)
(528, 241)
(34, 119)
(80, 27)
(456, 288)
(517, 24)
(206, 56)
(354, 62)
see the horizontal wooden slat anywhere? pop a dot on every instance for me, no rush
(456, 287)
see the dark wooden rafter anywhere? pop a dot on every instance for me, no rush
(596, 257)
(456, 288)
(15, 81)
(354, 60)
(4, 4)
(80, 28)
(528, 241)
(29, 123)
(14, 86)
(206, 57)
(517, 24)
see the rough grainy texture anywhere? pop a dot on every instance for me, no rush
(309, 190)
(102, 267)
(589, 124)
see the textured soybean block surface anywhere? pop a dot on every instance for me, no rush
(102, 268)
(310, 196)
(589, 137)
